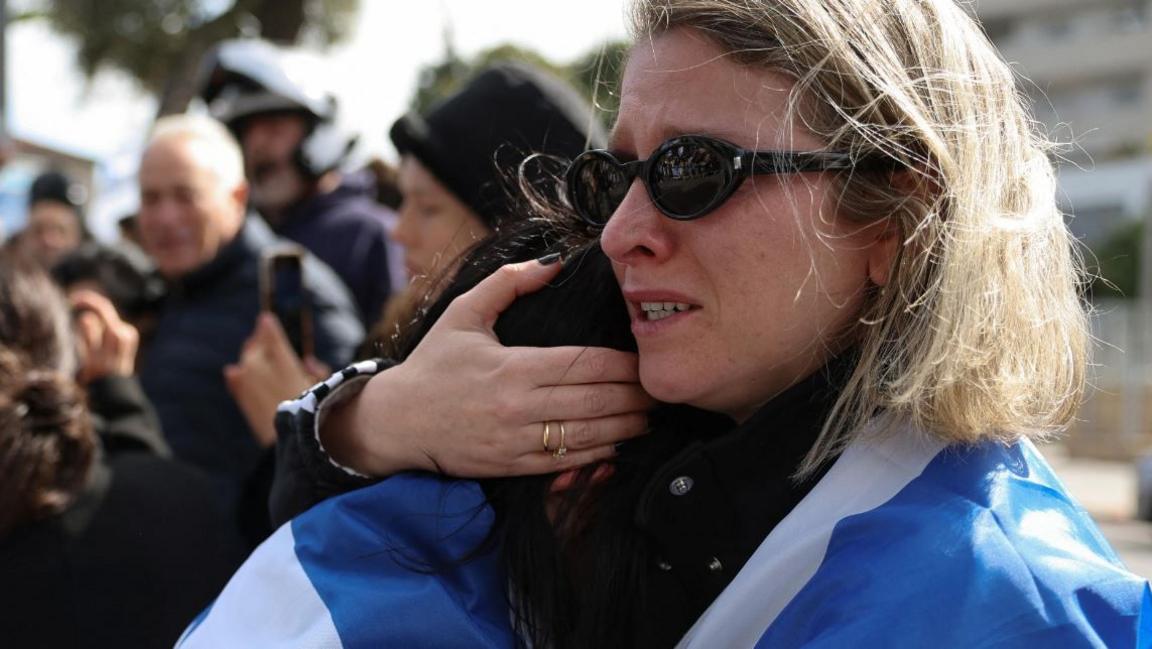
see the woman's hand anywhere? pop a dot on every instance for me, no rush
(269, 372)
(107, 345)
(465, 405)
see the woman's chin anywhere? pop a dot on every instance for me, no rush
(670, 386)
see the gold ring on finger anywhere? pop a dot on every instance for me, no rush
(561, 449)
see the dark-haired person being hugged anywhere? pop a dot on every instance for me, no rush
(104, 542)
(425, 561)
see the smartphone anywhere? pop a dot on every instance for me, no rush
(282, 293)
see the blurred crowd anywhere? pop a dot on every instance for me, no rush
(139, 378)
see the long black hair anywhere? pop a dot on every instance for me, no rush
(575, 573)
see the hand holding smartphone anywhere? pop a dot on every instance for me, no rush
(282, 293)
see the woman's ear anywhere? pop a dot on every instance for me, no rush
(882, 254)
(915, 186)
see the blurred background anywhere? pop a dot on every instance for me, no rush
(82, 80)
(1086, 67)
(85, 78)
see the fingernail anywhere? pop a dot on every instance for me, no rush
(548, 260)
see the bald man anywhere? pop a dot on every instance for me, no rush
(193, 223)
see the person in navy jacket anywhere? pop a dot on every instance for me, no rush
(194, 225)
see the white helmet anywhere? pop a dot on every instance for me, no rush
(247, 77)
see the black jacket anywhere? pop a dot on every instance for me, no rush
(347, 230)
(202, 327)
(705, 511)
(144, 548)
(123, 417)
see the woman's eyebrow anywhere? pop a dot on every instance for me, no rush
(665, 132)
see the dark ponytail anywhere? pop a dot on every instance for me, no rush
(46, 442)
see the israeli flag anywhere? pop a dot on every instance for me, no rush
(399, 564)
(908, 543)
(903, 543)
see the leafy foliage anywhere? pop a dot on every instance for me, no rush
(1116, 270)
(596, 74)
(160, 42)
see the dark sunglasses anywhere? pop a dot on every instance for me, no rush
(691, 175)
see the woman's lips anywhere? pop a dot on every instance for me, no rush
(660, 310)
(655, 311)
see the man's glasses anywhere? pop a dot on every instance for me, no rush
(691, 175)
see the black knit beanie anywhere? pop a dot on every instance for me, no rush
(475, 140)
(56, 187)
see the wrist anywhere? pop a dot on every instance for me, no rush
(357, 432)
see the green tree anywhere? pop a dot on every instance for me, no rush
(439, 79)
(161, 42)
(595, 74)
(1116, 268)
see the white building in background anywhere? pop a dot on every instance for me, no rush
(1087, 65)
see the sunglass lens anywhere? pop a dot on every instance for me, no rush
(688, 178)
(597, 186)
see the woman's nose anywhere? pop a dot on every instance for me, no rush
(637, 231)
(404, 231)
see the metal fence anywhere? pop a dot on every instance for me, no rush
(1116, 419)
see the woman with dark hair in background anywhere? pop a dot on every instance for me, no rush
(104, 542)
(462, 164)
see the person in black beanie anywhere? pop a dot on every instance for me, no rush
(465, 165)
(55, 220)
(463, 161)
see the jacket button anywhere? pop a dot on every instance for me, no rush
(714, 565)
(681, 485)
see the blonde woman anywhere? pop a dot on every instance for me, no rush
(833, 222)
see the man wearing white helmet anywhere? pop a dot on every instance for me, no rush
(293, 153)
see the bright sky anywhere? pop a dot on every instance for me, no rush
(378, 68)
(374, 73)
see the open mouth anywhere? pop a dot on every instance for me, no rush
(659, 310)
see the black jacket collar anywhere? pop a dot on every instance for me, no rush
(706, 510)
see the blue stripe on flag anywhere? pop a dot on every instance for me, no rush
(396, 565)
(985, 548)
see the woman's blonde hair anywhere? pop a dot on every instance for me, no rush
(980, 332)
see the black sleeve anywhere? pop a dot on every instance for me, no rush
(305, 474)
(123, 416)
